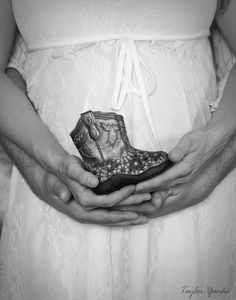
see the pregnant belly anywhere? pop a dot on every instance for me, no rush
(64, 82)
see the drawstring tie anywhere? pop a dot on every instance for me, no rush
(129, 63)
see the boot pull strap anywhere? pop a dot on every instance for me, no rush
(89, 120)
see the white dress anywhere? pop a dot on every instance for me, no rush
(151, 62)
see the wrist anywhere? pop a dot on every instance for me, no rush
(218, 137)
(50, 154)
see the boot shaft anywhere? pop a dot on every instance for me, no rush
(100, 136)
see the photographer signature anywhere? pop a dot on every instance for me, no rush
(209, 291)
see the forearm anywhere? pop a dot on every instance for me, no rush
(20, 124)
(18, 120)
(222, 126)
(22, 160)
(223, 163)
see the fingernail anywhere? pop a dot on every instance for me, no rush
(157, 202)
(148, 197)
(93, 182)
(64, 196)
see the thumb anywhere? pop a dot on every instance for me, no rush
(159, 198)
(56, 188)
(72, 167)
(64, 193)
(156, 200)
(180, 151)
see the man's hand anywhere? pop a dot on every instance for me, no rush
(192, 192)
(189, 156)
(54, 190)
(55, 193)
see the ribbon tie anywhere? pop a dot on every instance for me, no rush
(128, 64)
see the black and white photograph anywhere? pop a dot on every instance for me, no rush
(117, 149)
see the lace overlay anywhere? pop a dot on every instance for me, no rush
(47, 256)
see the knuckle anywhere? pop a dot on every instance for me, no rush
(106, 205)
(55, 186)
(85, 207)
(63, 168)
(187, 170)
(106, 202)
(111, 202)
(81, 176)
(46, 183)
(44, 180)
(84, 202)
(152, 210)
(164, 185)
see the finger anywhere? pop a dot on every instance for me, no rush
(100, 215)
(156, 200)
(136, 199)
(71, 167)
(181, 150)
(159, 198)
(172, 197)
(104, 216)
(143, 208)
(87, 198)
(62, 191)
(177, 172)
(150, 210)
(65, 195)
(171, 205)
(139, 221)
(53, 186)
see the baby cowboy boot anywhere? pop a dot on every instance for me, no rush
(102, 142)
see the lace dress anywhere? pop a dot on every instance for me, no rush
(151, 62)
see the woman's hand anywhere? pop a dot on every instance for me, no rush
(81, 182)
(55, 193)
(52, 190)
(189, 156)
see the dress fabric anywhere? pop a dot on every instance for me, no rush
(156, 71)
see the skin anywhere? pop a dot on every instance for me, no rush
(194, 152)
(199, 151)
(54, 191)
(192, 192)
(52, 156)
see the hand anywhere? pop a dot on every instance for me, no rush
(179, 197)
(190, 193)
(81, 182)
(189, 156)
(55, 193)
